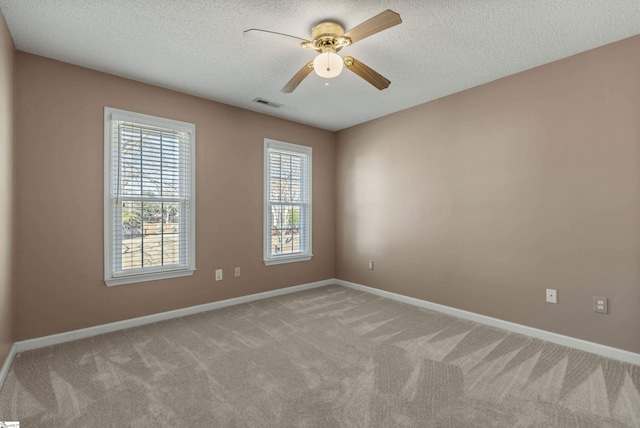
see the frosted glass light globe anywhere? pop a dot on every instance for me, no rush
(328, 65)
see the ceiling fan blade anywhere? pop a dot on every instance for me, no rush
(298, 78)
(367, 73)
(382, 21)
(275, 36)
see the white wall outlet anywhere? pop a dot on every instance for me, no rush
(218, 274)
(236, 272)
(552, 296)
(370, 264)
(600, 305)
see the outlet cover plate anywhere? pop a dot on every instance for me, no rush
(552, 296)
(600, 305)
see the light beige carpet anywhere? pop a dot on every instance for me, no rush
(329, 357)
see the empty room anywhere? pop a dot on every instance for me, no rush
(320, 214)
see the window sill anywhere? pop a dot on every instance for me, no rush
(288, 259)
(122, 280)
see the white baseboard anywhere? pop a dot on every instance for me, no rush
(572, 342)
(41, 342)
(7, 364)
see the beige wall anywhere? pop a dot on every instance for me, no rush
(59, 185)
(6, 189)
(483, 199)
(479, 201)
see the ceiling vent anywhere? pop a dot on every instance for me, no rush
(267, 103)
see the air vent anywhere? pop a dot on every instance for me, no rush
(267, 103)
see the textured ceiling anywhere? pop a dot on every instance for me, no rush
(198, 46)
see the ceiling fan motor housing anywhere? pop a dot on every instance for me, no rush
(328, 37)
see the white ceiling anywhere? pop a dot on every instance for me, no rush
(198, 46)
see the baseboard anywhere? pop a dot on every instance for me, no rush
(41, 342)
(7, 364)
(583, 345)
(572, 342)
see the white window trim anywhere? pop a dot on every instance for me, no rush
(285, 258)
(150, 274)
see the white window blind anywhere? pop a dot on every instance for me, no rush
(149, 198)
(287, 211)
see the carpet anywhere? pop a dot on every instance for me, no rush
(327, 357)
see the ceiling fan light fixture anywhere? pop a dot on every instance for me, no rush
(328, 65)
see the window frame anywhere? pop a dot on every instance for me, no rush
(296, 149)
(111, 275)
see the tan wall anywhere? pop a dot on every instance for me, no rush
(479, 201)
(59, 183)
(483, 199)
(6, 189)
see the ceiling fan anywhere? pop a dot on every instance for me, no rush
(328, 38)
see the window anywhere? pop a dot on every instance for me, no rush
(149, 198)
(287, 202)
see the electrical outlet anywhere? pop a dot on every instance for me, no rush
(552, 296)
(370, 264)
(600, 304)
(236, 272)
(218, 274)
